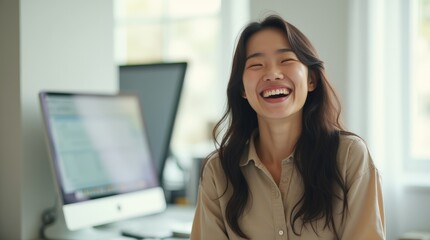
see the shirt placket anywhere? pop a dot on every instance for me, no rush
(278, 213)
(277, 206)
(278, 194)
(284, 188)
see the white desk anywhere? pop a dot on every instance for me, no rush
(175, 219)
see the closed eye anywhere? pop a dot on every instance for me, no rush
(288, 60)
(256, 65)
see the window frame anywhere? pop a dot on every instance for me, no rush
(416, 170)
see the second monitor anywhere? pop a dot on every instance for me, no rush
(159, 86)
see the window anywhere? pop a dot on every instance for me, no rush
(167, 30)
(419, 83)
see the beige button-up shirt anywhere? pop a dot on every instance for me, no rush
(267, 215)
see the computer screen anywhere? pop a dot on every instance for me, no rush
(100, 156)
(159, 87)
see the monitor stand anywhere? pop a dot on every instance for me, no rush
(59, 230)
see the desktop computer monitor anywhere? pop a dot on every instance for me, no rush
(159, 87)
(100, 156)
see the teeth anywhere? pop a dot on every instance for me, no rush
(273, 92)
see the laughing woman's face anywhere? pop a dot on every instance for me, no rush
(275, 82)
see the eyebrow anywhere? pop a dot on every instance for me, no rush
(259, 54)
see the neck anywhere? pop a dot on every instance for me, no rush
(277, 139)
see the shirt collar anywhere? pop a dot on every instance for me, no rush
(250, 153)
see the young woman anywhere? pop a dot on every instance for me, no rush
(285, 167)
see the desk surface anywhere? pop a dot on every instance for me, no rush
(175, 220)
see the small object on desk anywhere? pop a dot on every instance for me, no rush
(153, 235)
(181, 229)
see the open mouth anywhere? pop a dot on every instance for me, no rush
(276, 93)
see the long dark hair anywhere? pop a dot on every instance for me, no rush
(315, 151)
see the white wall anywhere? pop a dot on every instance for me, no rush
(48, 45)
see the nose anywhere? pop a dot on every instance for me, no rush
(273, 73)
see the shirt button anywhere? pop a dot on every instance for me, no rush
(281, 232)
(285, 180)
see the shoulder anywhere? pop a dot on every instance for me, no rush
(212, 171)
(350, 142)
(353, 155)
(212, 164)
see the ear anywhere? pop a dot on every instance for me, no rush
(244, 94)
(312, 82)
